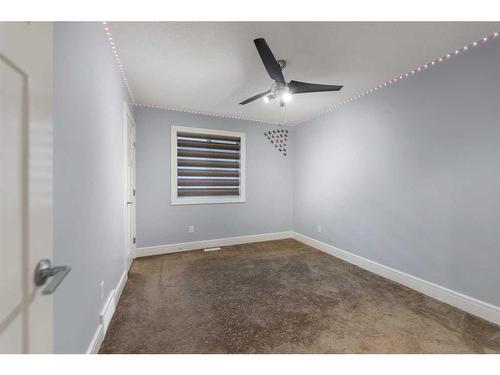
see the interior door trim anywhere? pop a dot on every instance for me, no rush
(127, 115)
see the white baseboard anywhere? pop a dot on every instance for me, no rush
(121, 283)
(220, 242)
(461, 301)
(130, 258)
(108, 312)
(96, 341)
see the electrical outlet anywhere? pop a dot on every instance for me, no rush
(102, 290)
(318, 228)
(191, 229)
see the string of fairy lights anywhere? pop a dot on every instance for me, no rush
(408, 74)
(210, 114)
(390, 82)
(114, 48)
(109, 36)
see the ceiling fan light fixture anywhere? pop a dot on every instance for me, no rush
(280, 89)
(286, 97)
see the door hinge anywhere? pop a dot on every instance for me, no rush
(133, 192)
(134, 240)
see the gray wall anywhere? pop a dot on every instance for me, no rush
(88, 179)
(268, 185)
(409, 176)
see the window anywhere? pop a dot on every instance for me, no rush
(208, 166)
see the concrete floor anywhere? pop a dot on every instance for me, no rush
(281, 297)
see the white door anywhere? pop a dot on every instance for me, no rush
(130, 188)
(26, 186)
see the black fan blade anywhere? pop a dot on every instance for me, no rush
(297, 87)
(269, 61)
(255, 97)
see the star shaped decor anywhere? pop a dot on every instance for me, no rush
(278, 138)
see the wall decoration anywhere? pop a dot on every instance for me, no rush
(278, 138)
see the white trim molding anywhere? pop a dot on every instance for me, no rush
(463, 302)
(96, 341)
(107, 313)
(220, 242)
(127, 218)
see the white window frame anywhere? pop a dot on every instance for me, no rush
(173, 167)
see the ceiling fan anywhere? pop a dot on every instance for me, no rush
(280, 89)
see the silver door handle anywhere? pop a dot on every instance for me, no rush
(128, 203)
(44, 270)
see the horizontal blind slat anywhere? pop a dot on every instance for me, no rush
(207, 154)
(200, 144)
(208, 136)
(207, 173)
(207, 164)
(207, 192)
(207, 182)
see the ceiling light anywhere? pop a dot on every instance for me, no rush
(266, 99)
(286, 96)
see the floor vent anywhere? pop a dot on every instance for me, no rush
(211, 249)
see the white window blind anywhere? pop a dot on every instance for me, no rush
(207, 166)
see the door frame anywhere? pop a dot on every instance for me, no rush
(129, 251)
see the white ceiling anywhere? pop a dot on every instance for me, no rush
(212, 66)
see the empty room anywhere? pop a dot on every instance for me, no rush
(250, 187)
